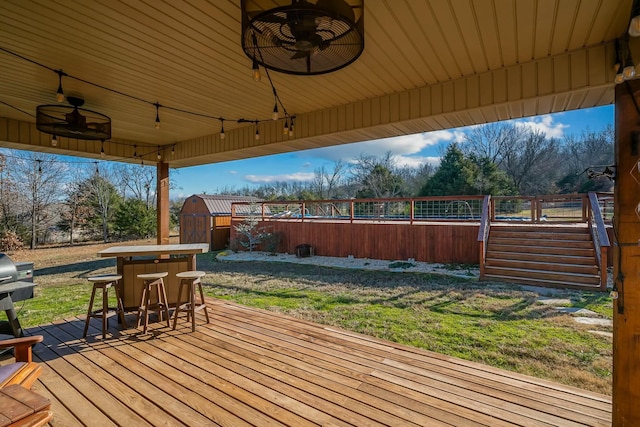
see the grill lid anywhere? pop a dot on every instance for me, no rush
(8, 270)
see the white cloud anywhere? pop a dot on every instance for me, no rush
(306, 165)
(233, 172)
(415, 162)
(267, 179)
(399, 146)
(544, 124)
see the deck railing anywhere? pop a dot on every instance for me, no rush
(599, 235)
(555, 208)
(449, 208)
(483, 233)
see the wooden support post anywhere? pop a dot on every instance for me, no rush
(626, 309)
(162, 199)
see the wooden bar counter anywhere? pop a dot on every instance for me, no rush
(134, 260)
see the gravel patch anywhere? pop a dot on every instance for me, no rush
(398, 266)
(593, 321)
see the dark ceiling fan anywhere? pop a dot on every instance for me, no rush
(73, 121)
(303, 37)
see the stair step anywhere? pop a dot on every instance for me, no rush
(583, 236)
(544, 250)
(540, 282)
(541, 257)
(582, 228)
(585, 244)
(524, 273)
(591, 269)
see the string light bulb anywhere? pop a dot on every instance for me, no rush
(255, 71)
(158, 156)
(39, 166)
(135, 151)
(257, 132)
(286, 126)
(54, 141)
(629, 70)
(60, 92)
(157, 124)
(222, 135)
(625, 68)
(173, 150)
(102, 148)
(97, 170)
(275, 115)
(291, 128)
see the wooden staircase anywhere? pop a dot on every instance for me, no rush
(542, 255)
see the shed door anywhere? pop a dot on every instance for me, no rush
(196, 228)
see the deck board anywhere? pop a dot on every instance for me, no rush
(252, 367)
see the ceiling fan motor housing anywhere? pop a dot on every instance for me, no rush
(303, 37)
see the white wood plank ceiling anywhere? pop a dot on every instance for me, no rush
(427, 64)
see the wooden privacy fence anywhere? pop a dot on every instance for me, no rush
(451, 229)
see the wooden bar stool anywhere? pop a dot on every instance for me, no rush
(153, 281)
(190, 279)
(104, 282)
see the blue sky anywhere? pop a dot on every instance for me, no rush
(410, 150)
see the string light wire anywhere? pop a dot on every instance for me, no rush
(156, 104)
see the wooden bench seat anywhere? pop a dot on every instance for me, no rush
(19, 406)
(24, 371)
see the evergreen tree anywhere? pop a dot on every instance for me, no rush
(133, 219)
(489, 179)
(454, 177)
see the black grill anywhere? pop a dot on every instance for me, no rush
(16, 284)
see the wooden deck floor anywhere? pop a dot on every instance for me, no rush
(250, 367)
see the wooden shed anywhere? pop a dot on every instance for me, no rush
(206, 218)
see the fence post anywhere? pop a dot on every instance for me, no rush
(351, 212)
(411, 210)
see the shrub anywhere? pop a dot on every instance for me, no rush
(271, 242)
(10, 241)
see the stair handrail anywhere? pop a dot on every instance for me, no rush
(599, 236)
(483, 232)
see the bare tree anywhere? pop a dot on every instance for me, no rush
(136, 181)
(40, 179)
(377, 177)
(415, 178)
(589, 149)
(325, 183)
(494, 141)
(533, 163)
(104, 199)
(12, 205)
(76, 202)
